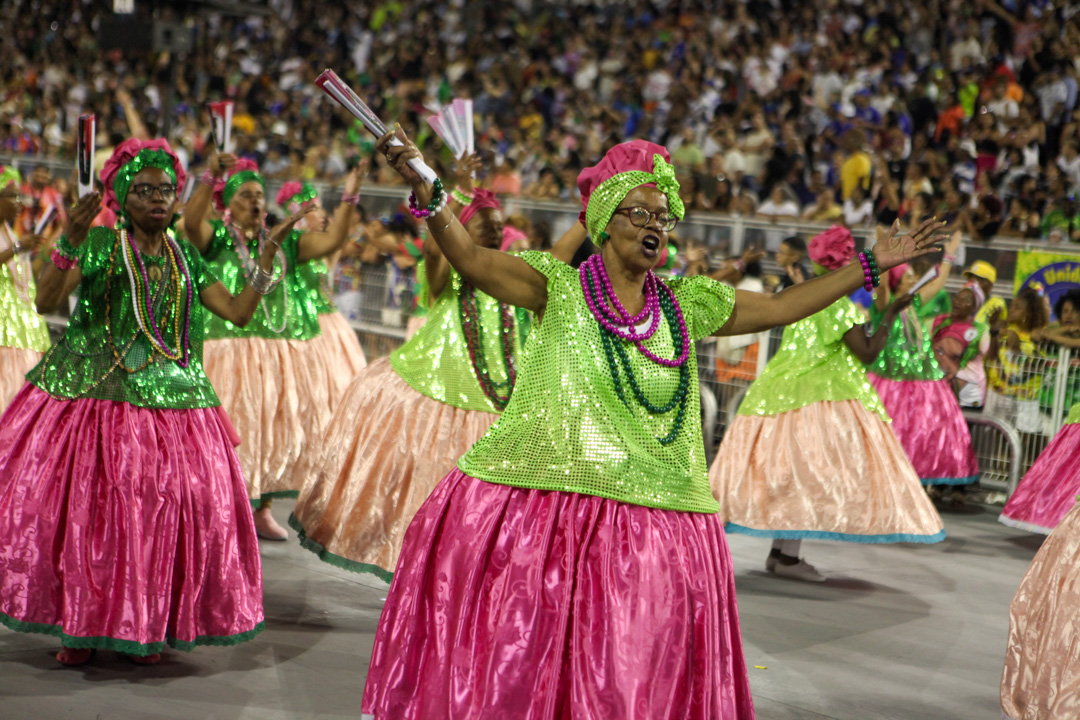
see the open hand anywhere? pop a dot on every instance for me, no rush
(894, 249)
(753, 255)
(355, 178)
(277, 235)
(30, 242)
(466, 171)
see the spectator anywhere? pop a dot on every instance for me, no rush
(857, 167)
(779, 206)
(858, 209)
(824, 209)
(960, 342)
(1013, 366)
(790, 258)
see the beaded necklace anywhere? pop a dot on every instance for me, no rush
(618, 326)
(473, 331)
(249, 267)
(176, 270)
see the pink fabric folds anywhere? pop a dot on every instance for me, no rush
(124, 527)
(1042, 667)
(14, 364)
(535, 605)
(828, 471)
(930, 425)
(276, 398)
(386, 449)
(1049, 489)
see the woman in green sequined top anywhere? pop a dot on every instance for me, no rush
(576, 556)
(124, 518)
(277, 397)
(23, 333)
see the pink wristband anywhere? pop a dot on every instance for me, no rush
(208, 179)
(353, 200)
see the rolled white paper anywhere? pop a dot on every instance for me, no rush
(221, 114)
(45, 219)
(84, 153)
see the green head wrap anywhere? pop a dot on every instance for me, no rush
(241, 178)
(121, 182)
(9, 176)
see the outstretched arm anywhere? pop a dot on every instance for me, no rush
(55, 284)
(197, 225)
(315, 245)
(507, 278)
(238, 309)
(755, 312)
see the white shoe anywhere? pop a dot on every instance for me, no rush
(801, 570)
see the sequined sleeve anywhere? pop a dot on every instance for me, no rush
(200, 271)
(544, 263)
(706, 304)
(833, 327)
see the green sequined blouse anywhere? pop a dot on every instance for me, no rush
(20, 325)
(1074, 415)
(315, 279)
(908, 354)
(566, 429)
(435, 361)
(82, 364)
(814, 365)
(302, 319)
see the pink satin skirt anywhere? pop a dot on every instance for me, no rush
(1049, 489)
(1042, 666)
(278, 400)
(14, 364)
(386, 449)
(124, 528)
(534, 605)
(828, 471)
(930, 425)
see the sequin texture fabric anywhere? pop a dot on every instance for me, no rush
(290, 304)
(908, 354)
(435, 361)
(814, 365)
(82, 365)
(565, 428)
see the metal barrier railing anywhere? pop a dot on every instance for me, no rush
(998, 449)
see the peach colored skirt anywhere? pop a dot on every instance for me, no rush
(828, 471)
(339, 349)
(277, 399)
(14, 364)
(1042, 667)
(387, 448)
(414, 324)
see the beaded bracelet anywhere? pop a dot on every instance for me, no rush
(353, 200)
(871, 275)
(62, 262)
(438, 202)
(951, 259)
(208, 179)
(462, 197)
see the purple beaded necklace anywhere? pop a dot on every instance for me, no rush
(619, 322)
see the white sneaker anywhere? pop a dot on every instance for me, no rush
(801, 570)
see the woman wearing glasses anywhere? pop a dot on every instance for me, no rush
(273, 392)
(124, 519)
(23, 333)
(574, 563)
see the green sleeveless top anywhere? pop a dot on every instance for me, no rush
(290, 306)
(814, 365)
(83, 365)
(908, 354)
(20, 325)
(436, 362)
(566, 428)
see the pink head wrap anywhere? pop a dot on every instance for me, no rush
(481, 199)
(832, 249)
(123, 155)
(648, 164)
(243, 165)
(895, 275)
(510, 236)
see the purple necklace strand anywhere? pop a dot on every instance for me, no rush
(619, 323)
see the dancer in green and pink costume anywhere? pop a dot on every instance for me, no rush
(124, 519)
(24, 335)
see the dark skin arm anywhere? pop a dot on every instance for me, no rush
(866, 349)
(54, 285)
(318, 244)
(197, 226)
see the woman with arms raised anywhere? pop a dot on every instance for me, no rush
(574, 560)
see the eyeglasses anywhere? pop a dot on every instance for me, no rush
(640, 217)
(145, 192)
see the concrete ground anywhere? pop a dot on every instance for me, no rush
(897, 633)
